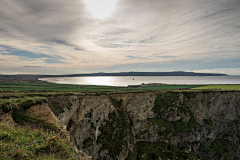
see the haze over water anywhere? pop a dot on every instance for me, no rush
(128, 80)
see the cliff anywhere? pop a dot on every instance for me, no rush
(151, 125)
(164, 125)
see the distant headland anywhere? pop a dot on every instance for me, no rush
(33, 78)
(174, 73)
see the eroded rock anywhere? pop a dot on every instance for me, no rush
(197, 122)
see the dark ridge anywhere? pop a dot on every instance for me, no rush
(175, 73)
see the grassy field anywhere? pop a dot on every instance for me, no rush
(51, 87)
(219, 87)
(75, 88)
(28, 143)
(171, 87)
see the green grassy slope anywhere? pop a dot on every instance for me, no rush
(31, 138)
(28, 143)
(74, 88)
(222, 87)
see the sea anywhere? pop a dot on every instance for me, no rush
(137, 80)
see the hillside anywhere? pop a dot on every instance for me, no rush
(34, 78)
(147, 125)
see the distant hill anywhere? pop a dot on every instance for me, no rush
(176, 73)
(20, 78)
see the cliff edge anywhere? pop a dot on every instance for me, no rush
(152, 125)
(135, 126)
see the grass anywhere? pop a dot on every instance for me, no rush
(28, 143)
(171, 87)
(162, 150)
(51, 87)
(25, 102)
(19, 87)
(19, 107)
(222, 87)
(157, 84)
(32, 138)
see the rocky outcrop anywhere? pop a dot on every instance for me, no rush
(37, 116)
(6, 118)
(161, 125)
(43, 112)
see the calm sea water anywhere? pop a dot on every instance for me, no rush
(135, 80)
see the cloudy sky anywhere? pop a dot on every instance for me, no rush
(88, 36)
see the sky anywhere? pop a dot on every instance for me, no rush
(90, 36)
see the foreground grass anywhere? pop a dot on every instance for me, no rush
(222, 87)
(32, 138)
(27, 143)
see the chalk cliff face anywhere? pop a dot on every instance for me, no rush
(150, 125)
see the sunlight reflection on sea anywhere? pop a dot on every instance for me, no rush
(135, 80)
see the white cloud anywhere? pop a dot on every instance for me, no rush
(139, 31)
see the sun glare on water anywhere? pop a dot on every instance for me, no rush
(99, 81)
(101, 8)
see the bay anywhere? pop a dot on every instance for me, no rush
(136, 80)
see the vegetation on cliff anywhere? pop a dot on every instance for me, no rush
(180, 136)
(57, 106)
(9, 103)
(165, 103)
(163, 150)
(116, 134)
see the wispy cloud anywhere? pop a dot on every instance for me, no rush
(33, 66)
(230, 71)
(40, 67)
(161, 34)
(28, 56)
